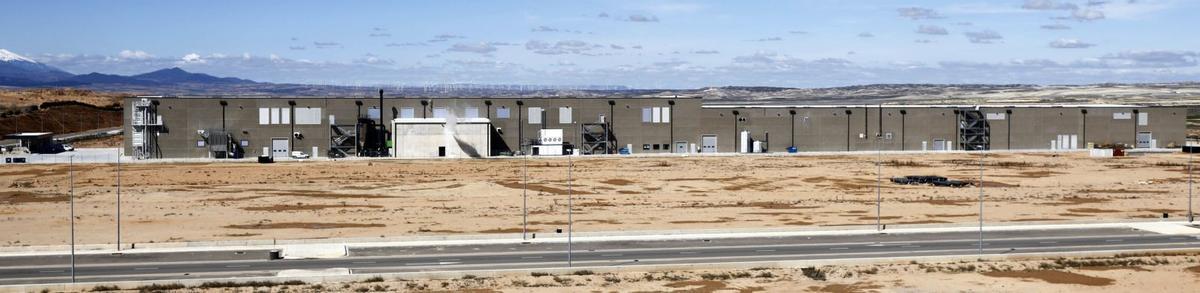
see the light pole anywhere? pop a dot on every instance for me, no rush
(570, 208)
(981, 156)
(71, 162)
(119, 151)
(1191, 153)
(525, 199)
(878, 171)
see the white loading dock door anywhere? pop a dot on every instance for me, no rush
(441, 137)
(708, 144)
(279, 148)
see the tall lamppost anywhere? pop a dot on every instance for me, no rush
(71, 162)
(525, 198)
(982, 155)
(878, 170)
(570, 210)
(119, 152)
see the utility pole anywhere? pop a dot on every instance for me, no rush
(1191, 153)
(570, 208)
(71, 162)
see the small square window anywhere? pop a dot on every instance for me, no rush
(646, 147)
(655, 146)
(666, 146)
(887, 135)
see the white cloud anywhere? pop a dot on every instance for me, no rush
(1055, 27)
(642, 18)
(134, 55)
(477, 48)
(1048, 5)
(1087, 14)
(1070, 44)
(917, 13)
(983, 37)
(932, 30)
(192, 58)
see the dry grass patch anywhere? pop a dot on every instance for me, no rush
(1053, 277)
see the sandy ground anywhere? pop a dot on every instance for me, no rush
(1167, 272)
(389, 198)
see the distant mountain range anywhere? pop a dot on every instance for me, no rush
(16, 70)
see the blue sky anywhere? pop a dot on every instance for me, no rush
(645, 44)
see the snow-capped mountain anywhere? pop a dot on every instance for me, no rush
(19, 70)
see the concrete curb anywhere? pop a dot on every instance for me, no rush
(128, 285)
(605, 236)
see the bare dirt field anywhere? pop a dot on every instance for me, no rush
(1158, 272)
(165, 202)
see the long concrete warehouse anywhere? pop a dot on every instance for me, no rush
(284, 126)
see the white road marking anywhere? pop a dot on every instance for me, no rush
(839, 248)
(430, 263)
(1113, 240)
(364, 262)
(765, 250)
(531, 257)
(51, 271)
(449, 259)
(237, 266)
(1048, 242)
(911, 246)
(688, 252)
(144, 269)
(613, 254)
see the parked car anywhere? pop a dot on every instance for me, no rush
(68, 147)
(924, 179)
(299, 155)
(949, 183)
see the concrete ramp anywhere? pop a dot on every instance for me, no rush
(311, 251)
(313, 273)
(1166, 228)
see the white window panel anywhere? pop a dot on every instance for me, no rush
(646, 115)
(564, 115)
(274, 115)
(657, 112)
(535, 115)
(1122, 116)
(308, 116)
(408, 112)
(502, 112)
(1143, 119)
(264, 116)
(995, 116)
(285, 116)
(441, 113)
(666, 115)
(471, 112)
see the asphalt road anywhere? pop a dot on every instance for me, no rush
(53, 269)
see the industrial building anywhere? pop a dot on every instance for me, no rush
(408, 127)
